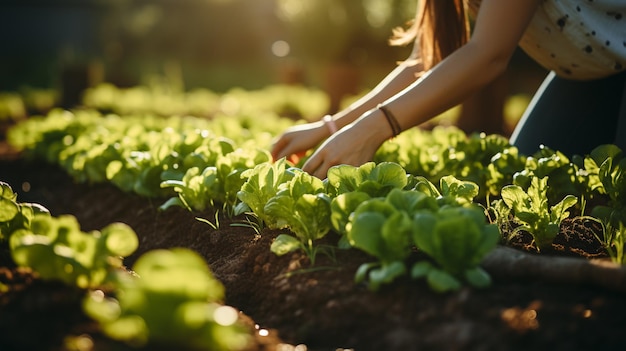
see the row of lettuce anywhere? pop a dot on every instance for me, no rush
(190, 311)
(165, 100)
(295, 101)
(224, 163)
(17, 105)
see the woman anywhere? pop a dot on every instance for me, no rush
(582, 43)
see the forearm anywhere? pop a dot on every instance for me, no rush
(397, 80)
(447, 85)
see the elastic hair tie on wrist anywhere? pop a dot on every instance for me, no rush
(330, 124)
(391, 119)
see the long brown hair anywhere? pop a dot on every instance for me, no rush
(440, 27)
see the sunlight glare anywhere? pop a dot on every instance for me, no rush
(280, 48)
(225, 315)
(290, 9)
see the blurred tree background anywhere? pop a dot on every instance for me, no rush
(337, 45)
(210, 43)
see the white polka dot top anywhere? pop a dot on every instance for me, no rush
(577, 39)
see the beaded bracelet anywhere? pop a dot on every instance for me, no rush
(330, 124)
(391, 119)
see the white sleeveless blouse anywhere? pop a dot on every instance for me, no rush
(577, 39)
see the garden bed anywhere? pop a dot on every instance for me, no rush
(322, 307)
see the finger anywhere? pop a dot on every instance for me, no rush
(311, 165)
(322, 171)
(278, 149)
(317, 166)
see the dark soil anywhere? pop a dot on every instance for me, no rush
(321, 308)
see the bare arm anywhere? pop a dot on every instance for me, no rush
(304, 137)
(499, 27)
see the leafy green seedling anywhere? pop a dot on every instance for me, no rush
(564, 176)
(457, 239)
(8, 204)
(304, 208)
(607, 170)
(194, 190)
(370, 178)
(614, 241)
(57, 249)
(384, 232)
(342, 206)
(174, 300)
(452, 191)
(263, 182)
(15, 215)
(501, 168)
(532, 211)
(381, 227)
(216, 184)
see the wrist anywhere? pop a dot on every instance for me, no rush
(330, 124)
(393, 123)
(373, 127)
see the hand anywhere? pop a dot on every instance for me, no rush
(355, 144)
(298, 139)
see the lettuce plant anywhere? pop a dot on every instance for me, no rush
(382, 227)
(470, 157)
(142, 165)
(501, 169)
(304, 208)
(217, 184)
(384, 232)
(451, 232)
(15, 215)
(449, 151)
(421, 151)
(173, 301)
(8, 202)
(532, 211)
(607, 171)
(57, 249)
(370, 178)
(262, 183)
(452, 191)
(564, 176)
(194, 190)
(457, 239)
(231, 166)
(342, 206)
(411, 201)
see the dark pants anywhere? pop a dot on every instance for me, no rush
(574, 117)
